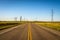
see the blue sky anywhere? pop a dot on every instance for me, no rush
(30, 10)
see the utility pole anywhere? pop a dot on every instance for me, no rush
(52, 16)
(15, 18)
(20, 18)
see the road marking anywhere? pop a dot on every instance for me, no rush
(29, 32)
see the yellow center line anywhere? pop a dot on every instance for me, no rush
(29, 32)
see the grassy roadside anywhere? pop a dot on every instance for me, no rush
(52, 25)
(9, 24)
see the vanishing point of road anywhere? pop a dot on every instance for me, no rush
(28, 31)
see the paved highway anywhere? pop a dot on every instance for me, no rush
(28, 31)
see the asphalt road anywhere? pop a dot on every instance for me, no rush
(28, 31)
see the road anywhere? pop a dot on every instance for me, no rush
(28, 31)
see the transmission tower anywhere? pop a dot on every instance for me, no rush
(15, 18)
(20, 18)
(52, 16)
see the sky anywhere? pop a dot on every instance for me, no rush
(40, 10)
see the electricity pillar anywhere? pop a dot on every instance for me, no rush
(52, 16)
(15, 18)
(20, 18)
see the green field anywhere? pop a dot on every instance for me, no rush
(52, 25)
(9, 24)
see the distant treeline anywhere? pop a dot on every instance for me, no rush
(47, 21)
(4, 24)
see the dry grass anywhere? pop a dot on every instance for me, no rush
(8, 24)
(53, 25)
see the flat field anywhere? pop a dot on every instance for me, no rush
(52, 25)
(8, 24)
